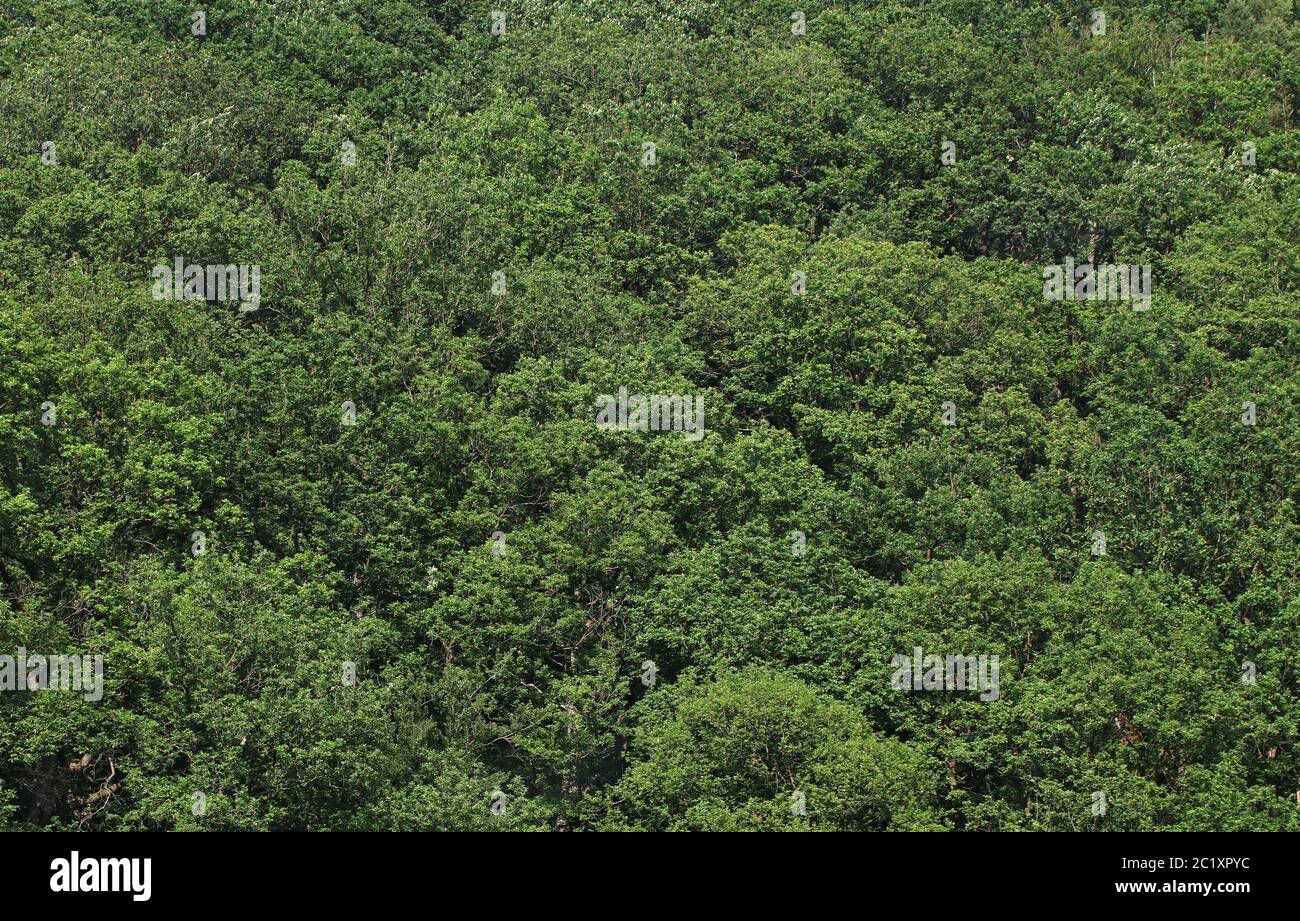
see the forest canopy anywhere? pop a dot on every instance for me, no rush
(649, 415)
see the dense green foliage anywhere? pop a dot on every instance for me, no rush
(519, 677)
